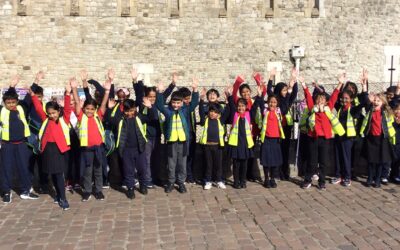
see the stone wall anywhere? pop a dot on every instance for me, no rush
(348, 35)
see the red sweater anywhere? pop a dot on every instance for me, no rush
(376, 123)
(53, 131)
(272, 125)
(323, 127)
(94, 136)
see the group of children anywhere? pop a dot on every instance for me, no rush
(89, 143)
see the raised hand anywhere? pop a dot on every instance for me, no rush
(111, 74)
(302, 82)
(174, 78)
(84, 75)
(134, 74)
(342, 78)
(203, 94)
(195, 84)
(14, 81)
(294, 73)
(68, 88)
(39, 76)
(272, 74)
(73, 82)
(160, 87)
(228, 90)
(146, 102)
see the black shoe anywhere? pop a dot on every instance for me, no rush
(368, 184)
(86, 197)
(377, 185)
(182, 188)
(43, 190)
(273, 183)
(168, 188)
(131, 193)
(321, 186)
(190, 180)
(236, 186)
(243, 185)
(7, 197)
(29, 196)
(267, 184)
(150, 186)
(143, 189)
(99, 196)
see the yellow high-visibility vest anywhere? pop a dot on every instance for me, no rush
(139, 124)
(177, 131)
(337, 127)
(5, 120)
(83, 129)
(221, 132)
(350, 124)
(65, 128)
(264, 127)
(234, 136)
(389, 122)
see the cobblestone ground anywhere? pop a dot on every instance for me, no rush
(255, 218)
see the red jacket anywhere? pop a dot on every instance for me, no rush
(323, 127)
(53, 131)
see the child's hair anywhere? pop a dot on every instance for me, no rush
(353, 86)
(273, 96)
(212, 91)
(241, 101)
(348, 92)
(185, 92)
(391, 89)
(129, 104)
(148, 90)
(318, 94)
(397, 106)
(385, 105)
(53, 105)
(214, 107)
(10, 95)
(244, 86)
(278, 88)
(176, 96)
(38, 90)
(90, 102)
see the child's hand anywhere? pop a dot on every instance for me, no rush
(84, 75)
(134, 74)
(203, 94)
(342, 78)
(107, 85)
(160, 87)
(294, 73)
(73, 83)
(174, 78)
(195, 84)
(146, 102)
(68, 88)
(14, 81)
(228, 90)
(111, 103)
(365, 75)
(39, 76)
(301, 80)
(111, 74)
(272, 74)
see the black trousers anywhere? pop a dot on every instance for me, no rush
(284, 170)
(213, 157)
(374, 172)
(58, 182)
(318, 158)
(271, 173)
(239, 171)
